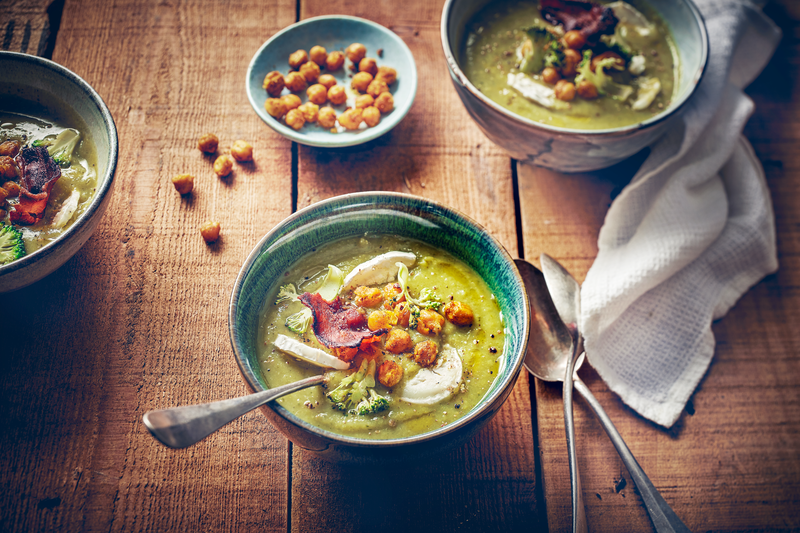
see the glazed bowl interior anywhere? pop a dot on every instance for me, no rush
(682, 16)
(377, 213)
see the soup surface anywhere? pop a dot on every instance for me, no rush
(509, 46)
(468, 359)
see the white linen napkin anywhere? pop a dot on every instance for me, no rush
(689, 235)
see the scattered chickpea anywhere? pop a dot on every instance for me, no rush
(12, 188)
(318, 55)
(210, 231)
(310, 111)
(392, 294)
(403, 314)
(273, 83)
(377, 87)
(381, 318)
(361, 81)
(565, 90)
(587, 90)
(430, 322)
(10, 148)
(371, 116)
(291, 101)
(310, 71)
(208, 143)
(550, 75)
(368, 65)
(363, 101)
(275, 107)
(297, 59)
(574, 39)
(337, 95)
(317, 94)
(356, 52)
(425, 353)
(335, 61)
(242, 151)
(326, 117)
(398, 341)
(345, 354)
(458, 313)
(295, 82)
(295, 119)
(223, 165)
(327, 80)
(367, 296)
(386, 74)
(183, 183)
(572, 59)
(389, 373)
(384, 102)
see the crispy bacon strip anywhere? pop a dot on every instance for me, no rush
(336, 326)
(591, 19)
(39, 175)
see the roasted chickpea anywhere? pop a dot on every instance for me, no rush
(326, 117)
(398, 341)
(587, 90)
(3, 195)
(183, 183)
(356, 52)
(317, 94)
(367, 296)
(619, 63)
(371, 116)
(425, 353)
(403, 314)
(335, 61)
(363, 101)
(387, 75)
(274, 83)
(223, 165)
(242, 151)
(295, 82)
(392, 294)
(295, 119)
(574, 39)
(208, 143)
(310, 71)
(368, 65)
(291, 101)
(377, 87)
(361, 81)
(210, 231)
(275, 107)
(458, 313)
(298, 59)
(384, 102)
(389, 373)
(9, 148)
(550, 75)
(572, 59)
(381, 319)
(351, 119)
(310, 111)
(12, 188)
(337, 95)
(327, 81)
(8, 168)
(345, 354)
(430, 322)
(565, 90)
(318, 55)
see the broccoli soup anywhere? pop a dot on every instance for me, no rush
(409, 337)
(48, 176)
(572, 64)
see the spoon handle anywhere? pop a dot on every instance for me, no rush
(579, 524)
(663, 517)
(179, 427)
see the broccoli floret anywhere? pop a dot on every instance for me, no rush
(427, 298)
(615, 44)
(355, 393)
(605, 85)
(539, 50)
(12, 247)
(61, 149)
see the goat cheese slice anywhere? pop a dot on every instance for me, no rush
(432, 385)
(380, 269)
(312, 355)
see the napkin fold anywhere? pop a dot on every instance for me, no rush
(689, 235)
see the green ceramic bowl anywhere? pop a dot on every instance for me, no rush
(384, 213)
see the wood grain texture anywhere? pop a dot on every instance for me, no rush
(732, 461)
(25, 25)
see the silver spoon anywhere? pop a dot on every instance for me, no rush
(563, 288)
(179, 427)
(552, 347)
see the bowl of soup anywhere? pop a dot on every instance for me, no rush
(417, 317)
(58, 155)
(574, 86)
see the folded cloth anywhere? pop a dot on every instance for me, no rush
(689, 235)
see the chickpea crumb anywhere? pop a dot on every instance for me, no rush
(210, 231)
(242, 151)
(223, 165)
(208, 143)
(183, 183)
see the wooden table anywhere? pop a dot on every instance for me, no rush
(137, 319)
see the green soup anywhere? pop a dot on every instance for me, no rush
(479, 346)
(491, 54)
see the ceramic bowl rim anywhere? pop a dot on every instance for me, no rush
(462, 79)
(107, 178)
(485, 403)
(397, 115)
